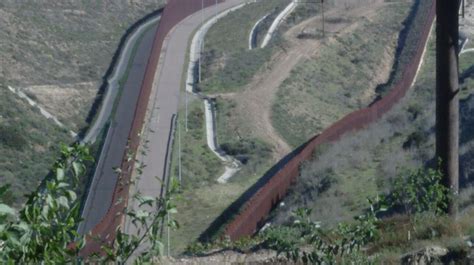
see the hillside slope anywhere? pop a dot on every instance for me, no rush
(48, 45)
(57, 52)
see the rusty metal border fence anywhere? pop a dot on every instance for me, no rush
(104, 232)
(255, 211)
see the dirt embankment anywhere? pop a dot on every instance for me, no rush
(255, 103)
(63, 47)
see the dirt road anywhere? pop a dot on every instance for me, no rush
(255, 103)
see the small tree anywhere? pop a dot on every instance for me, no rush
(44, 231)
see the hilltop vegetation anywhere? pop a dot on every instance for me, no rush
(27, 152)
(340, 79)
(228, 63)
(365, 163)
(62, 42)
(58, 51)
(202, 198)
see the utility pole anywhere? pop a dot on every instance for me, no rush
(447, 95)
(322, 4)
(179, 153)
(202, 41)
(186, 111)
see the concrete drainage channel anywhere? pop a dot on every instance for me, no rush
(232, 165)
(276, 23)
(253, 32)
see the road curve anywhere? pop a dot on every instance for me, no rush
(164, 104)
(113, 84)
(103, 184)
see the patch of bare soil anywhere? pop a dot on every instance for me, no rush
(231, 257)
(70, 103)
(255, 104)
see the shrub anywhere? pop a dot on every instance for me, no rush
(305, 241)
(12, 137)
(420, 191)
(45, 230)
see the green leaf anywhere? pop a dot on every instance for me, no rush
(60, 174)
(78, 168)
(72, 195)
(145, 200)
(63, 201)
(6, 210)
(4, 189)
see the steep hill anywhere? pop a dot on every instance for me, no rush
(57, 52)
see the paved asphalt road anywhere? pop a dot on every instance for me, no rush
(164, 101)
(104, 181)
(113, 82)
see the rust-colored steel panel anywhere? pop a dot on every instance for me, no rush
(257, 208)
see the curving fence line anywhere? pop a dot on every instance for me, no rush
(254, 212)
(104, 233)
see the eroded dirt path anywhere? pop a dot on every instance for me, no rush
(255, 103)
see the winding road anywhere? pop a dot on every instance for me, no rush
(113, 82)
(164, 104)
(101, 189)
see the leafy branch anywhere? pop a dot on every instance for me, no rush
(44, 231)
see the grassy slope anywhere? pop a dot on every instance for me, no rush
(52, 43)
(27, 151)
(202, 198)
(321, 91)
(363, 164)
(228, 65)
(56, 42)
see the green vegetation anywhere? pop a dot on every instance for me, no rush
(420, 191)
(322, 90)
(43, 231)
(59, 44)
(365, 163)
(466, 74)
(62, 43)
(201, 199)
(27, 144)
(228, 64)
(239, 69)
(410, 216)
(199, 165)
(407, 43)
(368, 160)
(253, 153)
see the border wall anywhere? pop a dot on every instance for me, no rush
(104, 232)
(254, 212)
